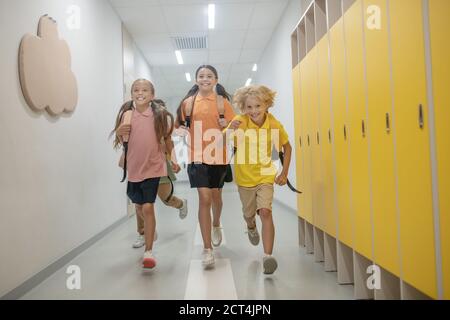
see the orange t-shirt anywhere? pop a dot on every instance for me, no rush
(205, 141)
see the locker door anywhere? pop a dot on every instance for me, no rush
(305, 66)
(340, 133)
(316, 171)
(412, 146)
(381, 135)
(326, 158)
(298, 148)
(359, 147)
(440, 53)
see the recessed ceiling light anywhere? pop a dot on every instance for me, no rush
(179, 57)
(188, 77)
(249, 80)
(211, 15)
(255, 67)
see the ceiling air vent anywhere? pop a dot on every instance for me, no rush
(186, 43)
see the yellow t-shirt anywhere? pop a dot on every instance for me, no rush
(254, 146)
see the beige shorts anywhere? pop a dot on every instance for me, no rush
(255, 198)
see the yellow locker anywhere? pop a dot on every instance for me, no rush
(340, 133)
(305, 121)
(326, 159)
(412, 146)
(359, 147)
(298, 149)
(381, 134)
(316, 171)
(440, 53)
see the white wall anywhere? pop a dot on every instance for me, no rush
(134, 63)
(59, 177)
(274, 71)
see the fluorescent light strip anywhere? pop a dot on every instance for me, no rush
(211, 16)
(255, 67)
(188, 77)
(179, 57)
(249, 80)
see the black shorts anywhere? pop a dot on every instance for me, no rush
(206, 176)
(144, 191)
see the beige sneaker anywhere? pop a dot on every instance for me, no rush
(183, 210)
(216, 236)
(253, 236)
(208, 259)
(269, 264)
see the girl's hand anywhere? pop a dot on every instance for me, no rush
(281, 180)
(181, 131)
(176, 167)
(123, 130)
(235, 124)
(223, 123)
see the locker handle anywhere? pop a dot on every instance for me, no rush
(421, 122)
(300, 140)
(308, 140)
(345, 132)
(388, 123)
(329, 135)
(318, 138)
(363, 129)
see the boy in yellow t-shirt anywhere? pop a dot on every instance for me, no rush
(255, 133)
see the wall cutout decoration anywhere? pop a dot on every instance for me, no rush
(46, 77)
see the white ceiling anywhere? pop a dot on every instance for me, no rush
(243, 29)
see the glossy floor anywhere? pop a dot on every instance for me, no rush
(111, 268)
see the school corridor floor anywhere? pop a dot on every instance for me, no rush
(111, 268)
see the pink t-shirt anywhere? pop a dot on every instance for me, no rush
(145, 158)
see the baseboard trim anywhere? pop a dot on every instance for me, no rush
(38, 278)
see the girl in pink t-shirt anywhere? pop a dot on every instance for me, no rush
(150, 129)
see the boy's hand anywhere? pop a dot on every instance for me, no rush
(123, 130)
(176, 167)
(235, 124)
(281, 180)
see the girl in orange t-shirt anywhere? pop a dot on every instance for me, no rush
(199, 114)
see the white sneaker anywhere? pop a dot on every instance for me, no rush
(139, 242)
(208, 258)
(148, 262)
(183, 210)
(216, 236)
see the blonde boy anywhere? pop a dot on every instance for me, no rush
(256, 133)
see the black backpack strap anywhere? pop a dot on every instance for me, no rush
(189, 110)
(281, 155)
(171, 190)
